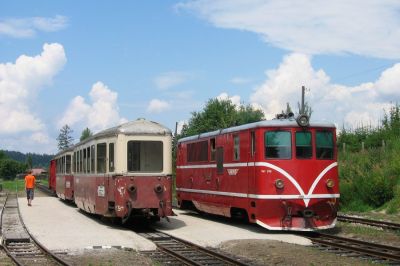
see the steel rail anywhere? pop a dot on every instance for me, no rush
(377, 251)
(39, 246)
(188, 253)
(377, 223)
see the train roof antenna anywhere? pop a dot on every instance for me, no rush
(303, 120)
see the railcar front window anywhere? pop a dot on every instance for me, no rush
(145, 156)
(303, 145)
(324, 144)
(278, 145)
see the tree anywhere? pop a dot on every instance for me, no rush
(65, 139)
(86, 133)
(218, 114)
(29, 161)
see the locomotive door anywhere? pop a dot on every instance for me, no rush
(251, 169)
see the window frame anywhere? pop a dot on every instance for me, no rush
(290, 147)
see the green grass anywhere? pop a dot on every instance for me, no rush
(13, 185)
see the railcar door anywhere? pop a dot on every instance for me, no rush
(101, 179)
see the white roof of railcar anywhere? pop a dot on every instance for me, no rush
(265, 123)
(139, 127)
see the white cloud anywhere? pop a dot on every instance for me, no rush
(20, 84)
(352, 105)
(157, 106)
(170, 79)
(235, 99)
(28, 27)
(368, 28)
(102, 112)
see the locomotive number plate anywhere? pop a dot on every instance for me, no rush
(101, 191)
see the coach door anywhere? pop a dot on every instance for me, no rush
(101, 180)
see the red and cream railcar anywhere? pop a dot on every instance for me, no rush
(275, 173)
(123, 171)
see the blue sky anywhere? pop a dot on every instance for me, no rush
(100, 63)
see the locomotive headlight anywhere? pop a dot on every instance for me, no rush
(158, 188)
(279, 183)
(330, 183)
(303, 120)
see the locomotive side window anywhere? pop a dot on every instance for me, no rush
(303, 145)
(197, 152)
(324, 144)
(253, 143)
(278, 145)
(236, 148)
(145, 156)
(101, 157)
(111, 157)
(212, 150)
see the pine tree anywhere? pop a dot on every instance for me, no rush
(86, 133)
(65, 139)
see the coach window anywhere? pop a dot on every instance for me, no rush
(303, 145)
(212, 150)
(101, 157)
(84, 160)
(80, 161)
(92, 159)
(324, 145)
(111, 157)
(145, 156)
(278, 145)
(236, 148)
(68, 164)
(88, 159)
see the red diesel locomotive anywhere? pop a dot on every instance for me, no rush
(281, 174)
(120, 172)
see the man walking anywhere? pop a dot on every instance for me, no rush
(29, 186)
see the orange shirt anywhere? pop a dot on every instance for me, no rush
(29, 181)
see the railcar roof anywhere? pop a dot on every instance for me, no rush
(139, 127)
(265, 123)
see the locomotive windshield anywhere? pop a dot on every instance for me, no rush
(278, 144)
(324, 143)
(303, 145)
(145, 156)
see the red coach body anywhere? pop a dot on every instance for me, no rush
(274, 173)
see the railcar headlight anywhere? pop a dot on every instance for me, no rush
(330, 183)
(132, 189)
(279, 183)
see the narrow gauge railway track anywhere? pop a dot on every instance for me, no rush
(356, 248)
(382, 224)
(22, 247)
(175, 251)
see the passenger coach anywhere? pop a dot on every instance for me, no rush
(122, 172)
(280, 174)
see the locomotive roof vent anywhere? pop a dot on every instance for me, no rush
(303, 119)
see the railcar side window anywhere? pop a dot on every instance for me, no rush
(101, 157)
(145, 156)
(324, 144)
(220, 160)
(303, 145)
(92, 159)
(278, 145)
(197, 152)
(88, 159)
(236, 148)
(111, 157)
(84, 160)
(68, 164)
